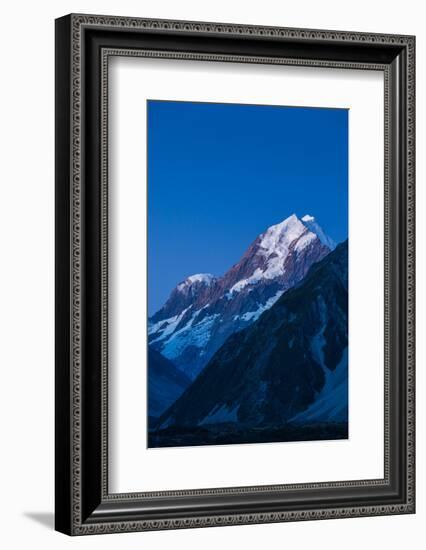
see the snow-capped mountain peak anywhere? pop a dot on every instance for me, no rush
(203, 311)
(268, 255)
(281, 235)
(311, 224)
(199, 278)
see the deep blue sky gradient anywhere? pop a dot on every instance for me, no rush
(220, 174)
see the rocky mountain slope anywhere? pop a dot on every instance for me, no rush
(289, 367)
(203, 311)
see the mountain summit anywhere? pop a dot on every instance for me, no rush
(203, 310)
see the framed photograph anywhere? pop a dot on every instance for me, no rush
(234, 274)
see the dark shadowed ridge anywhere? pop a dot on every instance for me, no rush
(272, 371)
(165, 383)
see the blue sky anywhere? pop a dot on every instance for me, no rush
(220, 174)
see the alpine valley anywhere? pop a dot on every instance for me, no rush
(258, 354)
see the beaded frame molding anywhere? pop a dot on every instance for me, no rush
(84, 44)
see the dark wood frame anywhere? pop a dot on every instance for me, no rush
(83, 46)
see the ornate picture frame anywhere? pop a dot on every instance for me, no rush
(84, 45)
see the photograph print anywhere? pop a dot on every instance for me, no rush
(247, 274)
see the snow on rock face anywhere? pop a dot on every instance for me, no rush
(192, 334)
(252, 280)
(331, 404)
(201, 278)
(275, 244)
(254, 315)
(274, 247)
(204, 310)
(166, 327)
(278, 237)
(311, 224)
(304, 241)
(291, 365)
